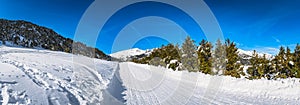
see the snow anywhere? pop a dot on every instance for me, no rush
(173, 61)
(48, 77)
(41, 77)
(180, 87)
(124, 55)
(5, 95)
(291, 62)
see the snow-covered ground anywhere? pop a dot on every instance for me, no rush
(29, 76)
(154, 85)
(42, 77)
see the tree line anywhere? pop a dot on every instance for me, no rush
(223, 59)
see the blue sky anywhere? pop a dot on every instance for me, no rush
(263, 25)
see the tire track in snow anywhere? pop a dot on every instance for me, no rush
(171, 91)
(136, 92)
(114, 93)
(5, 95)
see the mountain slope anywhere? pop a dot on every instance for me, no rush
(26, 34)
(245, 56)
(126, 55)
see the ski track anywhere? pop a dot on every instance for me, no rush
(178, 89)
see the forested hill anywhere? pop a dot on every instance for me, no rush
(26, 34)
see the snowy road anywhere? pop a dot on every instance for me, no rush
(153, 85)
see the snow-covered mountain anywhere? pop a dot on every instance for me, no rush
(245, 56)
(126, 55)
(42, 77)
(249, 54)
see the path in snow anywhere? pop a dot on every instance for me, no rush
(114, 95)
(154, 85)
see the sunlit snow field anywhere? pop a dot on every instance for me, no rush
(31, 76)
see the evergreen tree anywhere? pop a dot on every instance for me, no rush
(16, 40)
(2, 38)
(219, 57)
(171, 53)
(176, 52)
(253, 70)
(271, 70)
(280, 63)
(260, 67)
(232, 67)
(189, 55)
(156, 61)
(296, 60)
(205, 57)
(162, 56)
(287, 64)
(264, 67)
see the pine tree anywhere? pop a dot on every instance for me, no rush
(16, 40)
(189, 55)
(253, 70)
(280, 63)
(2, 38)
(271, 70)
(287, 64)
(177, 57)
(171, 53)
(219, 57)
(156, 61)
(264, 67)
(205, 57)
(260, 67)
(296, 60)
(162, 57)
(232, 67)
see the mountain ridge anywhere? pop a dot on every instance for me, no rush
(29, 35)
(129, 53)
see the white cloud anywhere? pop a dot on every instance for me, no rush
(291, 46)
(269, 50)
(262, 49)
(276, 39)
(238, 44)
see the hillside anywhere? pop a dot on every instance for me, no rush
(26, 34)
